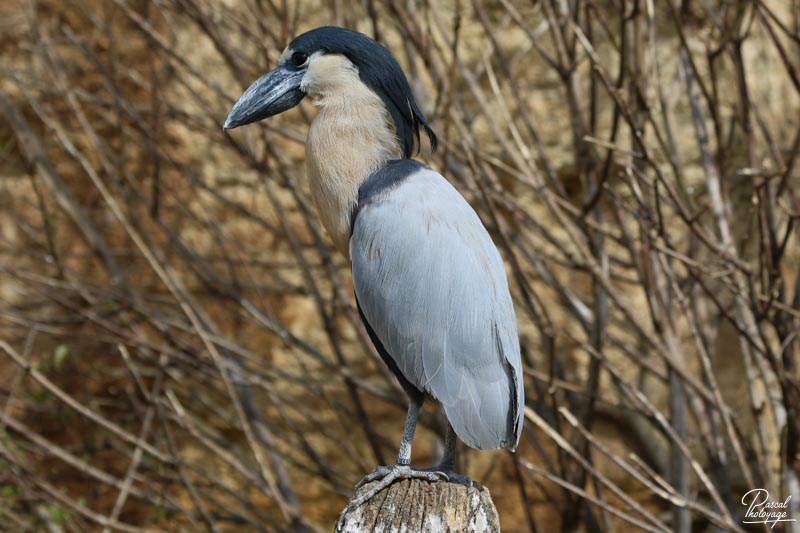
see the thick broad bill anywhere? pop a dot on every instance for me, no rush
(272, 93)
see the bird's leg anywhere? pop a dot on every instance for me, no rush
(448, 462)
(386, 475)
(447, 465)
(404, 454)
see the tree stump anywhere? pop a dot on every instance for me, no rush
(418, 505)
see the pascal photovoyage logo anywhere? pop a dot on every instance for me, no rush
(761, 509)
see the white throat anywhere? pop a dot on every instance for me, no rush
(349, 139)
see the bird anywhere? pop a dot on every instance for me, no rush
(430, 285)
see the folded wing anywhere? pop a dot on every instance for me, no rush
(432, 287)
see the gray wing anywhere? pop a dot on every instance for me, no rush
(433, 287)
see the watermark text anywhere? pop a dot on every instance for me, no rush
(762, 510)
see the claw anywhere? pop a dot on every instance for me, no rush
(386, 475)
(379, 473)
(445, 472)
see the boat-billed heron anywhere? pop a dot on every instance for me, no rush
(429, 283)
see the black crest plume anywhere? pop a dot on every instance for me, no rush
(379, 70)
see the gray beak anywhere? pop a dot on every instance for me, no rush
(273, 93)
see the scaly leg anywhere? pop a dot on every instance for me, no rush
(386, 475)
(447, 465)
(448, 462)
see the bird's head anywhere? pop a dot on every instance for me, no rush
(330, 60)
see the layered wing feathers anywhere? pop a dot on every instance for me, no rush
(432, 286)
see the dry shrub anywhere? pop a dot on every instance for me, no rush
(180, 348)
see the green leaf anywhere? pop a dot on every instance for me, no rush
(9, 490)
(41, 396)
(57, 514)
(61, 354)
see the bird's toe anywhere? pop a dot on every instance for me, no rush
(379, 473)
(448, 474)
(386, 475)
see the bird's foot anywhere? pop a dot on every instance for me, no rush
(386, 475)
(450, 475)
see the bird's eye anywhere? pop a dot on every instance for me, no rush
(299, 59)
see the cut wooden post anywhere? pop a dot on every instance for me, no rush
(418, 505)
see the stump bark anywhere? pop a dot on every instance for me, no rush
(417, 505)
